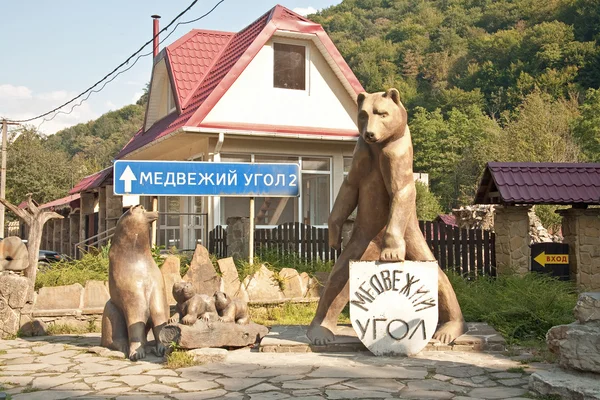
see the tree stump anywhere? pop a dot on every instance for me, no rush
(212, 334)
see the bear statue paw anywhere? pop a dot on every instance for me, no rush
(319, 335)
(160, 349)
(392, 254)
(449, 331)
(136, 351)
(189, 320)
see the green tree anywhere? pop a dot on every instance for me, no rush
(586, 128)
(428, 205)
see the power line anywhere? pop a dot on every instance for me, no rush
(91, 90)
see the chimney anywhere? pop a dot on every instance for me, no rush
(155, 33)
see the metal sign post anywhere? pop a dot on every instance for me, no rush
(251, 238)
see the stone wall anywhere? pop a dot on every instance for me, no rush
(13, 297)
(513, 253)
(581, 231)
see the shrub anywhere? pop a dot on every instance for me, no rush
(428, 205)
(92, 266)
(521, 308)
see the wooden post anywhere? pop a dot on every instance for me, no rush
(251, 238)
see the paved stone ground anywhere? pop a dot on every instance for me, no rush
(59, 367)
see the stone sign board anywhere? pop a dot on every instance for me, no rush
(394, 305)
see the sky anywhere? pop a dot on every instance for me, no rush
(53, 50)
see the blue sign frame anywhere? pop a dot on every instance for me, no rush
(200, 178)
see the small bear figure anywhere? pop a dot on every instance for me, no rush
(191, 306)
(231, 310)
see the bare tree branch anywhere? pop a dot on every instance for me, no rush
(26, 217)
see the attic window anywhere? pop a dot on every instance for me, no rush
(289, 66)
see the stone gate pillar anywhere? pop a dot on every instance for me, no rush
(581, 231)
(114, 207)
(101, 214)
(86, 208)
(73, 233)
(511, 224)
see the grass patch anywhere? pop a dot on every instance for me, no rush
(289, 314)
(92, 266)
(2, 352)
(70, 329)
(180, 359)
(29, 389)
(516, 370)
(521, 308)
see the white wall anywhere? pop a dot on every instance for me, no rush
(252, 99)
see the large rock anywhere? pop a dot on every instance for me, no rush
(212, 334)
(231, 280)
(577, 345)
(292, 283)
(95, 295)
(9, 319)
(60, 298)
(568, 385)
(262, 286)
(202, 273)
(13, 288)
(171, 274)
(588, 307)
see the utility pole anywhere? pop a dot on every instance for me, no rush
(5, 124)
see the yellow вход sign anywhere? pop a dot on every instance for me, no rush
(544, 259)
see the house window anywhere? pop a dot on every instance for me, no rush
(311, 208)
(289, 66)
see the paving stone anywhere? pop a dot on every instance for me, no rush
(234, 395)
(49, 349)
(355, 394)
(105, 385)
(392, 372)
(506, 375)
(141, 397)
(432, 384)
(49, 395)
(20, 360)
(269, 396)
(311, 383)
(16, 380)
(305, 392)
(497, 392)
(137, 369)
(161, 372)
(263, 387)
(443, 378)
(465, 382)
(339, 386)
(513, 382)
(197, 386)
(425, 394)
(480, 379)
(95, 368)
(73, 386)
(382, 385)
(158, 388)
(115, 390)
(236, 384)
(460, 372)
(284, 378)
(53, 359)
(94, 379)
(24, 367)
(47, 382)
(171, 380)
(278, 371)
(135, 380)
(209, 394)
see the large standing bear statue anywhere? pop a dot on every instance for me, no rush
(381, 184)
(138, 300)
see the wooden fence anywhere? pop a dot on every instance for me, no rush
(467, 251)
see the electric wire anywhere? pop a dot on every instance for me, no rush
(92, 89)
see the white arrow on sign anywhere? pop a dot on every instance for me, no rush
(127, 177)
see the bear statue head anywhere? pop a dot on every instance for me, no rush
(381, 116)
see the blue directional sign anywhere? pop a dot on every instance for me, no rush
(196, 178)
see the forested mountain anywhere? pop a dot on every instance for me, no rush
(483, 80)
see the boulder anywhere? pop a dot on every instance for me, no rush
(212, 334)
(231, 280)
(566, 385)
(588, 307)
(32, 327)
(171, 274)
(13, 288)
(60, 298)
(577, 345)
(261, 286)
(95, 295)
(208, 355)
(9, 319)
(292, 283)
(305, 281)
(202, 273)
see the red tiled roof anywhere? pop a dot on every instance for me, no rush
(201, 79)
(71, 200)
(539, 183)
(447, 219)
(91, 181)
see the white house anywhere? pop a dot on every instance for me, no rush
(277, 91)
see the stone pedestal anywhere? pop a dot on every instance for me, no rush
(578, 348)
(13, 296)
(513, 253)
(581, 231)
(238, 237)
